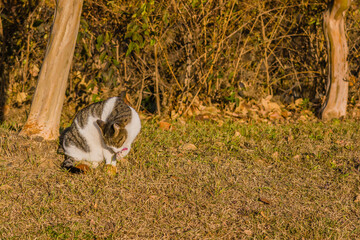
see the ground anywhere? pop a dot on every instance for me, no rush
(196, 180)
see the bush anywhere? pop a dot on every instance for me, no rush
(168, 54)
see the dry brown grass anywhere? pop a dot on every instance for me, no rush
(259, 181)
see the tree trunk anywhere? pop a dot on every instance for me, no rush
(45, 112)
(337, 86)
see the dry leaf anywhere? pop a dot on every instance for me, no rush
(34, 71)
(291, 106)
(165, 126)
(264, 200)
(263, 214)
(307, 112)
(303, 118)
(143, 116)
(357, 199)
(202, 118)
(181, 121)
(84, 168)
(275, 155)
(6, 110)
(95, 90)
(211, 110)
(189, 113)
(21, 97)
(298, 102)
(220, 123)
(285, 113)
(232, 114)
(188, 147)
(265, 104)
(110, 170)
(248, 232)
(123, 162)
(172, 149)
(242, 108)
(5, 187)
(275, 116)
(274, 107)
(237, 134)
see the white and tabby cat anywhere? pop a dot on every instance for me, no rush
(101, 131)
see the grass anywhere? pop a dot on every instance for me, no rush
(243, 181)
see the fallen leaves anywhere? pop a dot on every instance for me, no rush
(264, 216)
(188, 147)
(83, 168)
(5, 187)
(275, 155)
(165, 126)
(237, 134)
(34, 71)
(248, 232)
(6, 110)
(110, 170)
(267, 109)
(21, 97)
(264, 200)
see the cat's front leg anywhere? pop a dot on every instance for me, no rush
(110, 163)
(110, 158)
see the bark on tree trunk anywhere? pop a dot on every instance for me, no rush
(337, 86)
(45, 112)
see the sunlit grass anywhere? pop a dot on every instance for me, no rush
(241, 181)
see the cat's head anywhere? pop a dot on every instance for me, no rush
(113, 133)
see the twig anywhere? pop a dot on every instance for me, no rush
(192, 102)
(157, 95)
(140, 93)
(170, 68)
(266, 57)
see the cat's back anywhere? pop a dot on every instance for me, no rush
(120, 112)
(94, 110)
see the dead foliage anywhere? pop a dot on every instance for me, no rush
(171, 55)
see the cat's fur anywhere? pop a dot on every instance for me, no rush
(102, 130)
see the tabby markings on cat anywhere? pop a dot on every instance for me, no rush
(103, 130)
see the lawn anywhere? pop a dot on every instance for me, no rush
(199, 180)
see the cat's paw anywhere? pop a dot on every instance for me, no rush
(110, 170)
(122, 153)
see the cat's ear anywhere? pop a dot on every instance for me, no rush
(116, 128)
(101, 124)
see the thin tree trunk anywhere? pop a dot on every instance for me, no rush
(337, 86)
(45, 112)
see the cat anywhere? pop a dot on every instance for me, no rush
(100, 131)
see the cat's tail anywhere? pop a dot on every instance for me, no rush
(122, 95)
(61, 149)
(68, 163)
